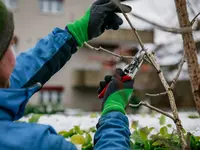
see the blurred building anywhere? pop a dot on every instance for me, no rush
(34, 19)
(79, 78)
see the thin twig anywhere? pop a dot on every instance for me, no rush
(117, 3)
(155, 95)
(164, 28)
(179, 72)
(153, 108)
(147, 60)
(172, 86)
(194, 19)
(107, 51)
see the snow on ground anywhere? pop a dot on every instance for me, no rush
(62, 122)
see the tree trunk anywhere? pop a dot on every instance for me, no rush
(190, 51)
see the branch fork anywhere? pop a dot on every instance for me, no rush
(152, 60)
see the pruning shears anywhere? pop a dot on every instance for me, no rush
(132, 68)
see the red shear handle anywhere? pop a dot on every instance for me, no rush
(123, 79)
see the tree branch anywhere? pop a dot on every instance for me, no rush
(194, 19)
(164, 28)
(170, 94)
(155, 95)
(179, 72)
(117, 3)
(172, 86)
(107, 51)
(153, 108)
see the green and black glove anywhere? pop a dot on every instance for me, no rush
(115, 92)
(99, 17)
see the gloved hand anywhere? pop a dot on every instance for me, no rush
(115, 92)
(99, 17)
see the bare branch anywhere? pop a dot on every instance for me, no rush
(170, 94)
(153, 108)
(174, 80)
(164, 28)
(155, 95)
(107, 51)
(117, 3)
(147, 60)
(179, 72)
(194, 19)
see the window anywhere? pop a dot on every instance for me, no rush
(51, 6)
(11, 4)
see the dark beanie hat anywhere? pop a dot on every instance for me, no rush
(6, 28)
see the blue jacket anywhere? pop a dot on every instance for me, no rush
(33, 69)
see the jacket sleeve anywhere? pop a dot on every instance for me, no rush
(56, 142)
(112, 132)
(48, 139)
(41, 62)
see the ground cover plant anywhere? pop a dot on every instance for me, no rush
(163, 137)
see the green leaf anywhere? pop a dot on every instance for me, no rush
(131, 145)
(164, 131)
(150, 129)
(193, 143)
(169, 125)
(197, 138)
(78, 139)
(87, 147)
(143, 134)
(184, 131)
(147, 130)
(77, 130)
(193, 116)
(88, 138)
(136, 137)
(92, 129)
(157, 143)
(156, 137)
(93, 115)
(134, 124)
(147, 145)
(35, 118)
(162, 120)
(66, 134)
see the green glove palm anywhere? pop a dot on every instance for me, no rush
(99, 17)
(115, 92)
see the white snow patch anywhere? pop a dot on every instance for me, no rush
(62, 122)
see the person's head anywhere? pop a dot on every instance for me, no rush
(7, 58)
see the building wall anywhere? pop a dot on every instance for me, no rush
(31, 25)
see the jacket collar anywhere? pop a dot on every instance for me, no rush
(13, 101)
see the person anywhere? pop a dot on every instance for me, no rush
(20, 78)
